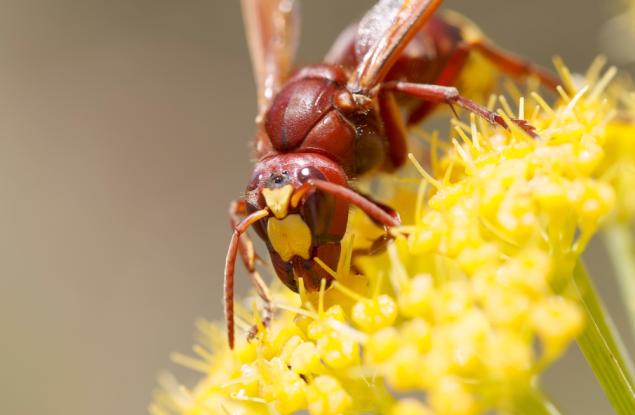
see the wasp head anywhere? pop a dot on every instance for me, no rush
(277, 180)
(304, 222)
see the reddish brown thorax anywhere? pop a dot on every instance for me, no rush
(315, 113)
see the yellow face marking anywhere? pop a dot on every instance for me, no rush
(278, 200)
(289, 237)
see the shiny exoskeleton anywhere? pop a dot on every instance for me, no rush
(325, 124)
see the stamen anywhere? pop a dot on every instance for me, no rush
(542, 103)
(603, 83)
(321, 296)
(190, 362)
(474, 129)
(593, 73)
(378, 284)
(491, 102)
(461, 132)
(419, 206)
(398, 277)
(348, 292)
(344, 264)
(302, 291)
(515, 128)
(201, 352)
(424, 173)
(506, 107)
(565, 75)
(512, 90)
(467, 160)
(534, 114)
(570, 106)
(448, 172)
(297, 310)
(521, 108)
(326, 268)
(563, 93)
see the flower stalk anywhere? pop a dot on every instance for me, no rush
(536, 403)
(602, 347)
(618, 238)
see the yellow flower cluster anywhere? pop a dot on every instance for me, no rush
(619, 164)
(468, 304)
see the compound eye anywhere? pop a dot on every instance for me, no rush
(306, 173)
(256, 178)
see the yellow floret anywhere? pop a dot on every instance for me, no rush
(372, 315)
(327, 397)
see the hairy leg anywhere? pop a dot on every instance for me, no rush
(450, 95)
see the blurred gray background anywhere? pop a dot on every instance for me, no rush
(124, 132)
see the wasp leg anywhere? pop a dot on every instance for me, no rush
(244, 248)
(378, 246)
(238, 209)
(449, 95)
(505, 62)
(448, 77)
(394, 128)
(513, 65)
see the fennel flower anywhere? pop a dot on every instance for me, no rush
(469, 303)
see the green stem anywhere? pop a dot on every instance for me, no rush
(536, 403)
(602, 347)
(621, 248)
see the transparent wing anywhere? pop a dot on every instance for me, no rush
(272, 30)
(382, 35)
(374, 24)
